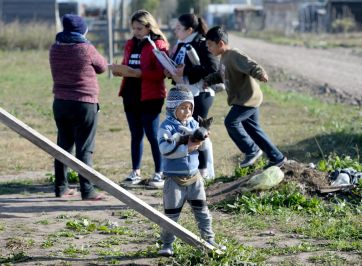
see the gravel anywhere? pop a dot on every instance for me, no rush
(334, 74)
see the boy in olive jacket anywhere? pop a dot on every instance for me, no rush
(239, 73)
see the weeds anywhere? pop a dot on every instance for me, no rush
(287, 196)
(328, 258)
(334, 161)
(73, 251)
(81, 226)
(72, 177)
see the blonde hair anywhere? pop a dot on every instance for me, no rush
(145, 18)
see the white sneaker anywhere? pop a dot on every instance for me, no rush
(216, 245)
(157, 181)
(166, 251)
(133, 178)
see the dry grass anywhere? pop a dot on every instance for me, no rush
(17, 36)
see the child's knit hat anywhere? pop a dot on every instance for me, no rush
(74, 23)
(176, 96)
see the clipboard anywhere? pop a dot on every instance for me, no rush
(163, 58)
(165, 61)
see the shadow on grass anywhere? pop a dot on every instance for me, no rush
(19, 187)
(321, 146)
(128, 260)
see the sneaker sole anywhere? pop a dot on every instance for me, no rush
(251, 162)
(165, 254)
(155, 185)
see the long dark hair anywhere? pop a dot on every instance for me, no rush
(192, 21)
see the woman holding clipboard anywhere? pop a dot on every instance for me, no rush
(143, 91)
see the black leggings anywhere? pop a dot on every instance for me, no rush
(202, 103)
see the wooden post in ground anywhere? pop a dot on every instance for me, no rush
(101, 181)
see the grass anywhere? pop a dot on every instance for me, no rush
(304, 128)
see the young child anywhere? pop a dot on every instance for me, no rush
(238, 72)
(183, 182)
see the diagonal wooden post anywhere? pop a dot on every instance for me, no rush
(101, 181)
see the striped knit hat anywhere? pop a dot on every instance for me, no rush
(176, 96)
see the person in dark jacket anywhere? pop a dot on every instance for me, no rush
(143, 91)
(190, 31)
(74, 64)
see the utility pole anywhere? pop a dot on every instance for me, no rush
(110, 34)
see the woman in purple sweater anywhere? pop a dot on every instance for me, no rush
(74, 64)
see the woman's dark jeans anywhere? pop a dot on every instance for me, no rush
(139, 124)
(202, 104)
(77, 124)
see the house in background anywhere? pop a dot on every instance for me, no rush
(339, 9)
(42, 11)
(281, 15)
(24, 11)
(239, 15)
(289, 16)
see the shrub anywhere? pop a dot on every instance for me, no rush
(344, 25)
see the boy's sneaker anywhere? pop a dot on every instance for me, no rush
(157, 181)
(250, 159)
(166, 250)
(133, 178)
(278, 163)
(216, 245)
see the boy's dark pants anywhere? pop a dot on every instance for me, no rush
(76, 123)
(242, 124)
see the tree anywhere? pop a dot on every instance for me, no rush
(198, 6)
(149, 5)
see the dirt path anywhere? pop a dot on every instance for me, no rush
(332, 71)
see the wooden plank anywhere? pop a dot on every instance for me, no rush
(329, 189)
(101, 181)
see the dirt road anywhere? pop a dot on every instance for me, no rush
(334, 71)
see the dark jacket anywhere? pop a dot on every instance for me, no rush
(209, 62)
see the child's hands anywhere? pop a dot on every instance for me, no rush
(193, 146)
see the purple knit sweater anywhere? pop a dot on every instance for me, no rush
(74, 68)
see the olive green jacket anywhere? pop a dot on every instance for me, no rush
(238, 72)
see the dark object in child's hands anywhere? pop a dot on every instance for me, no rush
(199, 134)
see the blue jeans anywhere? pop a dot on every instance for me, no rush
(242, 124)
(139, 124)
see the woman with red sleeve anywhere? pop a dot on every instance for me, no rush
(143, 91)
